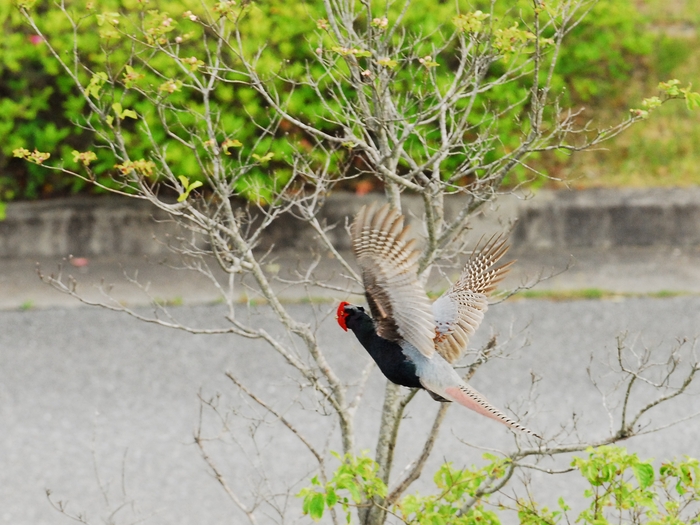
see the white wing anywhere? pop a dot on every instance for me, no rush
(459, 311)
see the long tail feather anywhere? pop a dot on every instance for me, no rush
(470, 398)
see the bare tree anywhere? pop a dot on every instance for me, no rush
(388, 114)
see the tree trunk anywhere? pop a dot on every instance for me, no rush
(391, 414)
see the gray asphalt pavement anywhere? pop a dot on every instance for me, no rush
(86, 391)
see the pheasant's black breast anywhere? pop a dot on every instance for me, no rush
(393, 363)
(388, 355)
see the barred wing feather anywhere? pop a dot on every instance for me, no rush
(459, 311)
(389, 265)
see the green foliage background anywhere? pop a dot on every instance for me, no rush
(39, 103)
(620, 488)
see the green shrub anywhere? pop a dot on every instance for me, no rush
(620, 488)
(39, 105)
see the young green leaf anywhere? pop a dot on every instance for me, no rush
(692, 100)
(316, 506)
(263, 159)
(645, 474)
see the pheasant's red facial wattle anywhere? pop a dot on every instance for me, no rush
(342, 315)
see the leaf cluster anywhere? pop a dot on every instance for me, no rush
(625, 489)
(355, 481)
(455, 488)
(41, 107)
(621, 489)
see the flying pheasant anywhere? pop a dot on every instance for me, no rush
(412, 341)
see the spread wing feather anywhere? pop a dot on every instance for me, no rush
(459, 311)
(389, 264)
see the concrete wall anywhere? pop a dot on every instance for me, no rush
(608, 218)
(88, 227)
(82, 227)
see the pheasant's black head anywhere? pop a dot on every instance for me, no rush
(348, 312)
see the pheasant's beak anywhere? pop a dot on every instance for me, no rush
(341, 315)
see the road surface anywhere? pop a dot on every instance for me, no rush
(86, 391)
